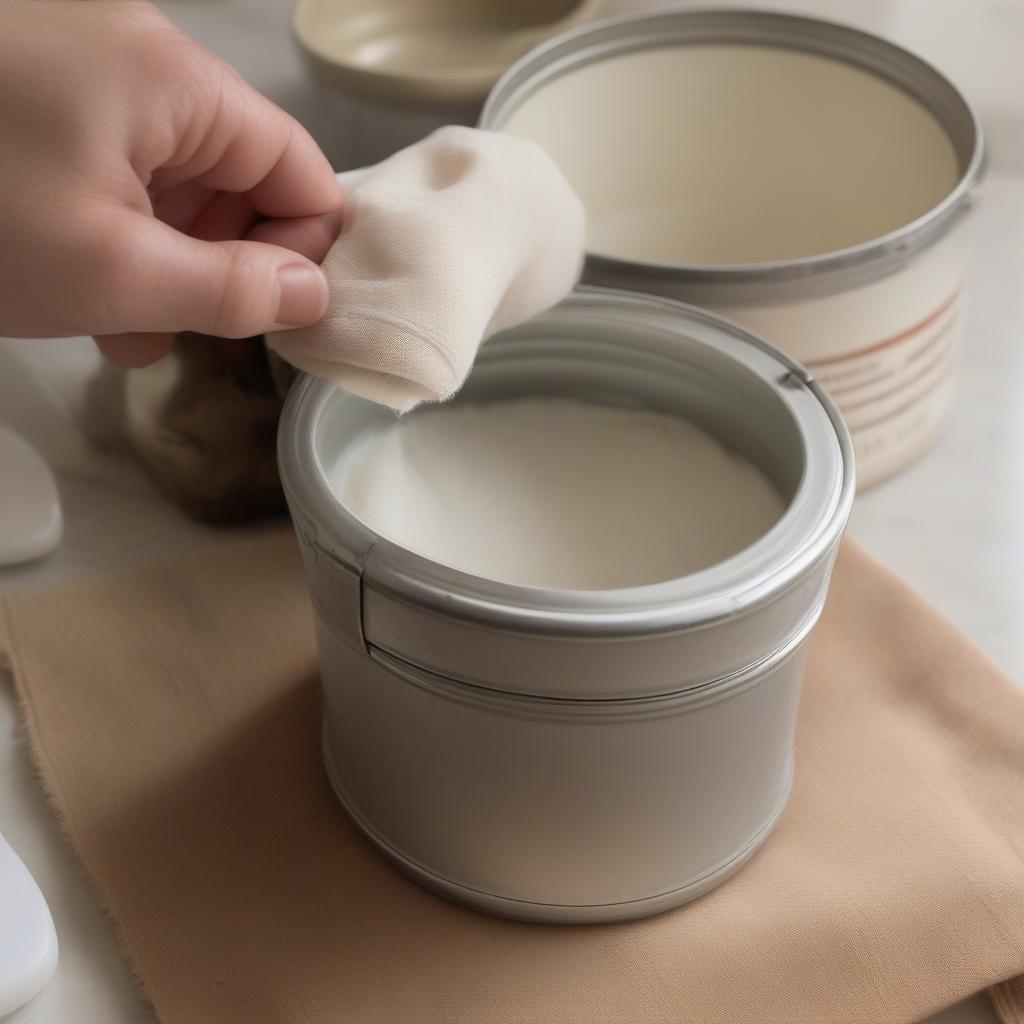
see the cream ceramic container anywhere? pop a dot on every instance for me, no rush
(803, 178)
(575, 755)
(391, 71)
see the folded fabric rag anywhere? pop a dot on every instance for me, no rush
(173, 714)
(443, 244)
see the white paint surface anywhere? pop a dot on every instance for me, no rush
(556, 493)
(736, 154)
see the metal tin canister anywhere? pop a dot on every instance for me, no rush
(576, 755)
(878, 323)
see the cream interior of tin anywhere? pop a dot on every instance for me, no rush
(557, 493)
(726, 154)
(635, 522)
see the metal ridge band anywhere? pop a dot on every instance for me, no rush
(769, 282)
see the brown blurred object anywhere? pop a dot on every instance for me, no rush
(203, 422)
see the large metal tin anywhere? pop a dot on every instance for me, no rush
(861, 317)
(570, 755)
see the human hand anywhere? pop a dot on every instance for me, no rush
(146, 189)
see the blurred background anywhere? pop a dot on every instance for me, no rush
(950, 523)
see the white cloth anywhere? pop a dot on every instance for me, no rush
(443, 244)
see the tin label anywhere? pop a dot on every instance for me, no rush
(896, 393)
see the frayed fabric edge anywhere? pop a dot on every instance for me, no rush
(1007, 999)
(10, 665)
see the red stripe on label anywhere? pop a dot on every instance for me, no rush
(894, 339)
(888, 375)
(913, 403)
(866, 403)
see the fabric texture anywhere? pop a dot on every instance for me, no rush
(443, 244)
(173, 713)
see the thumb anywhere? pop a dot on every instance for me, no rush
(151, 278)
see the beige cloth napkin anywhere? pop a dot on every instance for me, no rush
(448, 241)
(174, 716)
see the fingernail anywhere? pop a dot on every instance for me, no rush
(303, 297)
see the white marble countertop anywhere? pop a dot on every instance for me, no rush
(953, 524)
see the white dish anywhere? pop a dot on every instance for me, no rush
(30, 516)
(28, 941)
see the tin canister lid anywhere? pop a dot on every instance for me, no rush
(609, 347)
(737, 284)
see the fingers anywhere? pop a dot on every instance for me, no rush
(253, 148)
(225, 217)
(199, 264)
(134, 350)
(222, 216)
(151, 278)
(300, 183)
(219, 217)
(311, 236)
(180, 205)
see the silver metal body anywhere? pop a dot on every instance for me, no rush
(576, 755)
(878, 322)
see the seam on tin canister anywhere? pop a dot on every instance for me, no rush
(530, 705)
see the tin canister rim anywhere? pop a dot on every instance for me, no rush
(804, 536)
(823, 38)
